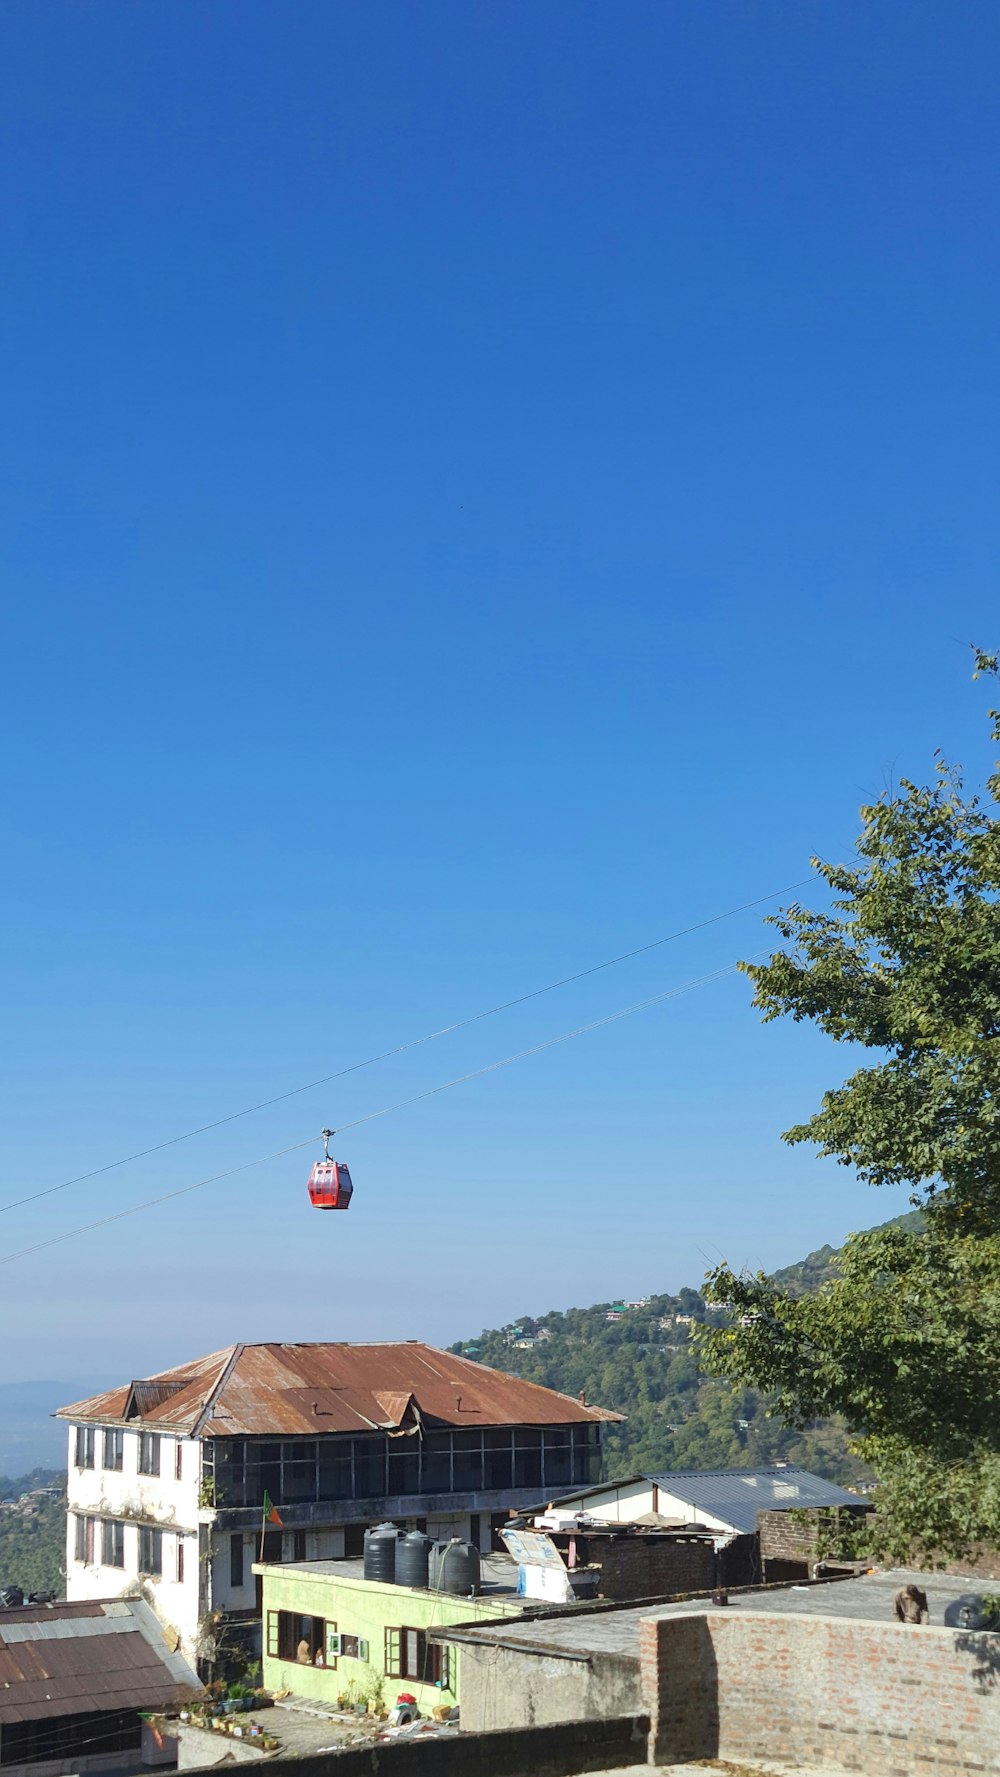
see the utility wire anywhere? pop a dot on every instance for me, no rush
(478, 1073)
(401, 1048)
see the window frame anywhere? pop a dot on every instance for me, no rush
(113, 1441)
(284, 1629)
(84, 1452)
(431, 1662)
(237, 1564)
(84, 1538)
(151, 1542)
(113, 1533)
(179, 1564)
(149, 1453)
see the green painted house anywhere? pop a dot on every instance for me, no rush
(330, 1634)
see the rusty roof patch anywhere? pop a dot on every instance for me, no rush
(305, 1390)
(65, 1661)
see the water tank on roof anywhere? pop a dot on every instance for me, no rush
(413, 1559)
(455, 1567)
(380, 1552)
(11, 1598)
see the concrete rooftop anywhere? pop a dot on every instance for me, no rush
(868, 1599)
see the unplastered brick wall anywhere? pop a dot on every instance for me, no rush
(650, 1567)
(883, 1699)
(799, 1535)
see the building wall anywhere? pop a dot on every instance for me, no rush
(211, 1571)
(650, 1566)
(366, 1608)
(874, 1697)
(134, 1499)
(623, 1505)
(512, 1687)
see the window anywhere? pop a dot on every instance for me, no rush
(409, 1654)
(150, 1550)
(353, 1647)
(299, 1639)
(236, 1561)
(149, 1453)
(84, 1446)
(178, 1462)
(298, 1545)
(114, 1449)
(112, 1543)
(180, 1561)
(85, 1539)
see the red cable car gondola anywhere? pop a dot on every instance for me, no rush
(330, 1184)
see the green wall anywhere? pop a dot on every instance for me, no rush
(366, 1608)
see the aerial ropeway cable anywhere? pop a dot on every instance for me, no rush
(401, 1048)
(478, 1073)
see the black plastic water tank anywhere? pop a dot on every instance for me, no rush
(455, 1567)
(413, 1558)
(380, 1552)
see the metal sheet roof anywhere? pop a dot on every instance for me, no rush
(305, 1390)
(64, 1659)
(736, 1495)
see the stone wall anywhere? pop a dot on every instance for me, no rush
(877, 1698)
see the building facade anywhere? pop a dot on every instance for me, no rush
(372, 1636)
(168, 1476)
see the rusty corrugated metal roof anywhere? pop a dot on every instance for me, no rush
(63, 1660)
(305, 1390)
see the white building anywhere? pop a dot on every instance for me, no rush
(724, 1500)
(168, 1476)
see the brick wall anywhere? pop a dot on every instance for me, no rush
(651, 1566)
(876, 1698)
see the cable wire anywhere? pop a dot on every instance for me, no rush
(478, 1073)
(401, 1048)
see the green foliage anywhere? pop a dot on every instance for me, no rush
(907, 963)
(676, 1416)
(33, 1549)
(902, 1339)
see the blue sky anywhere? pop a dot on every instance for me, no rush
(483, 486)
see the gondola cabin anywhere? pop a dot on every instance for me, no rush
(330, 1185)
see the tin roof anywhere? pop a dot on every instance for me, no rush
(70, 1659)
(305, 1390)
(736, 1495)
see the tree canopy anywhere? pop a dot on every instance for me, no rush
(903, 1342)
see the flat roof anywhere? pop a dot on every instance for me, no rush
(868, 1598)
(498, 1575)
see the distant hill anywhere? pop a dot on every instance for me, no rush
(29, 1436)
(638, 1358)
(33, 1532)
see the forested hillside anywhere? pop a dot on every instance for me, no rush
(640, 1359)
(33, 1531)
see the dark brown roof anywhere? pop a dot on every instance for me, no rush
(254, 1390)
(71, 1660)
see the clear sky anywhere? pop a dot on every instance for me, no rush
(484, 486)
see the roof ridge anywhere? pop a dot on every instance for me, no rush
(231, 1358)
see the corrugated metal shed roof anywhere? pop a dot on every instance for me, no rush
(256, 1390)
(736, 1495)
(65, 1659)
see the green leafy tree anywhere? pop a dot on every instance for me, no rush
(902, 1340)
